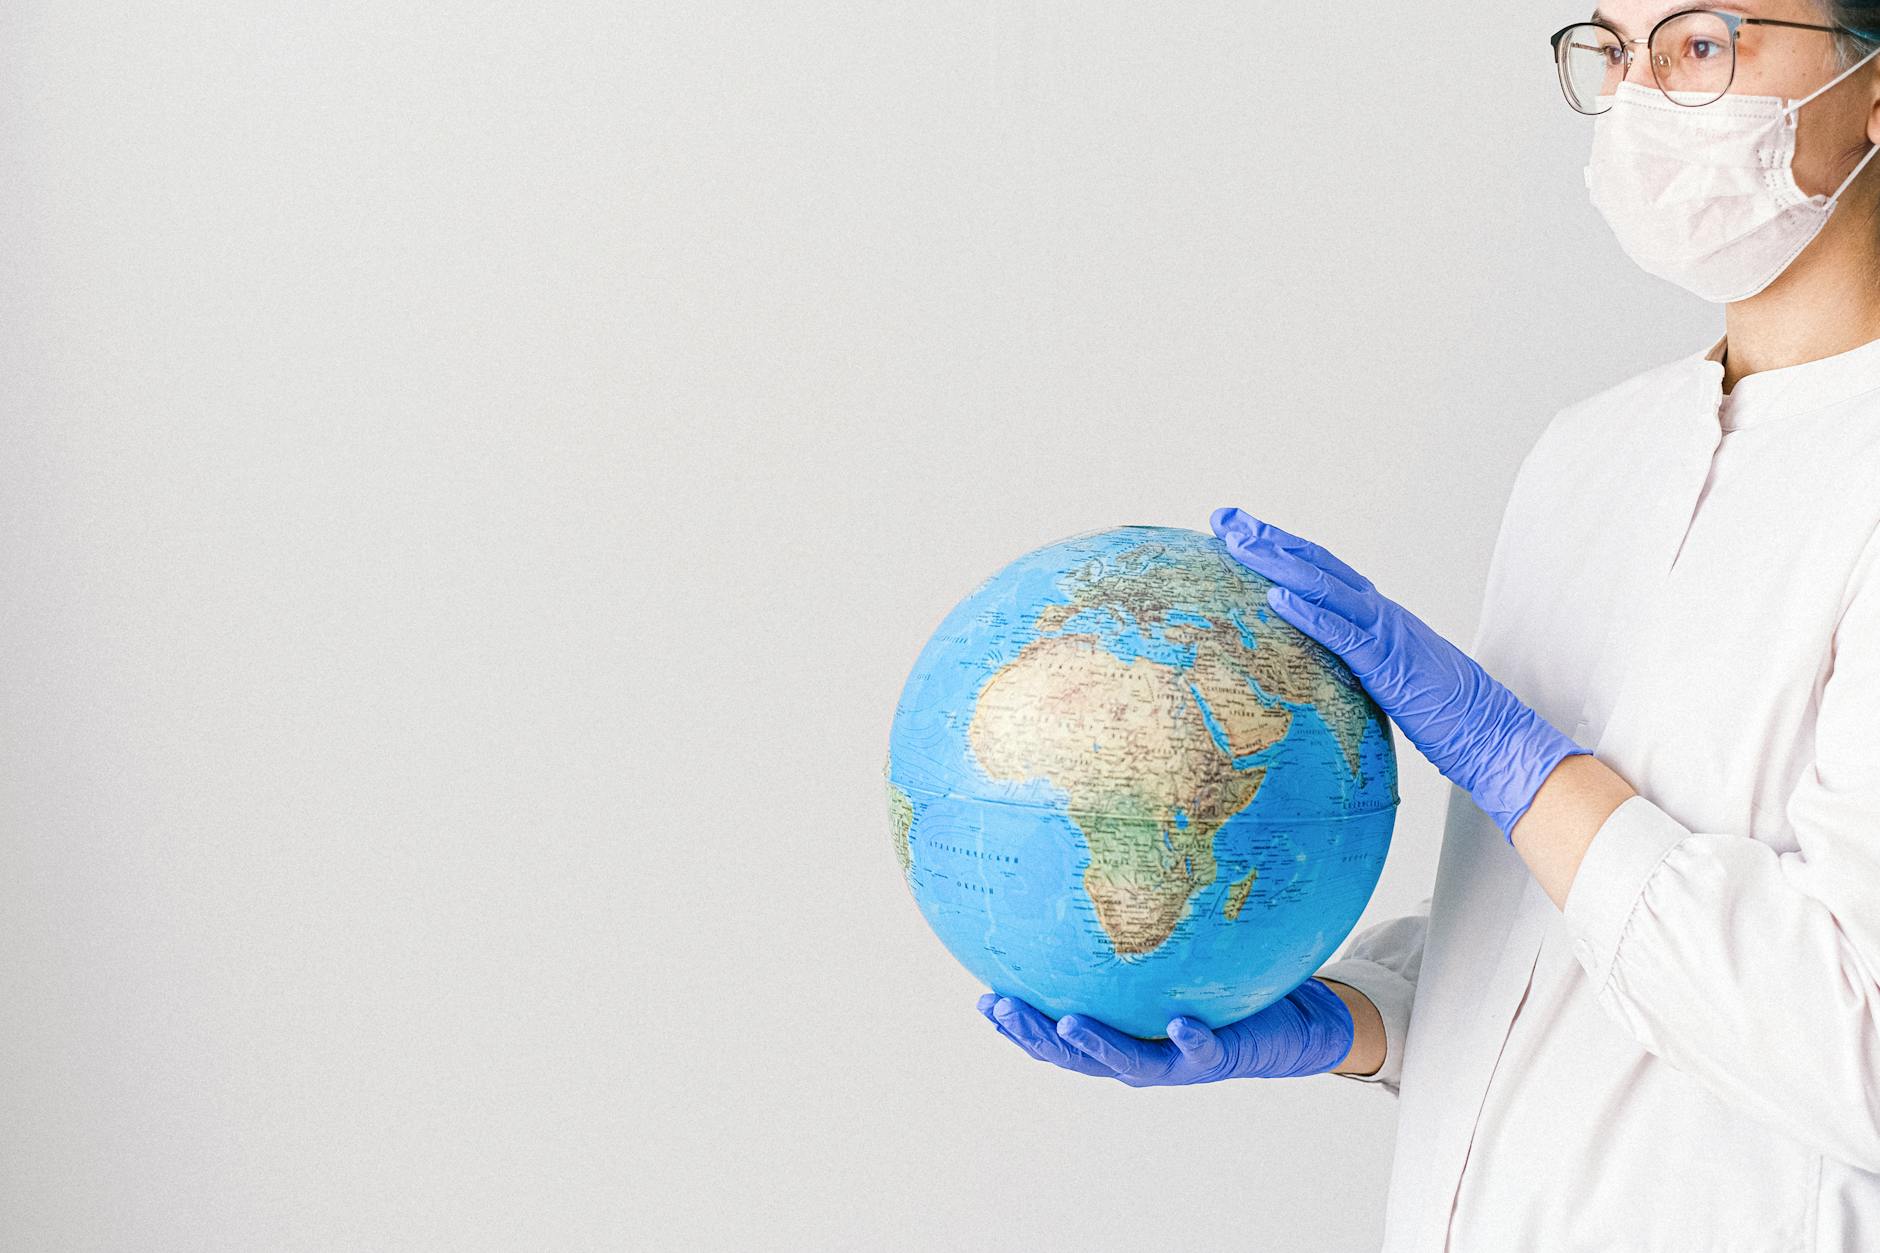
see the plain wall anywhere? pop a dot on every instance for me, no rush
(475, 479)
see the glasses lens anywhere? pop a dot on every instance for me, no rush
(1694, 58)
(1592, 63)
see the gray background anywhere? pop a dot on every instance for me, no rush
(476, 477)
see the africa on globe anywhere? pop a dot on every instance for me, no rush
(1119, 784)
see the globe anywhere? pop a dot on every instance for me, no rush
(1120, 784)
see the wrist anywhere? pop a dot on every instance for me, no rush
(1538, 757)
(1366, 1055)
(1511, 764)
(1326, 1030)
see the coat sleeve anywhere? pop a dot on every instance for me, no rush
(1751, 970)
(1383, 961)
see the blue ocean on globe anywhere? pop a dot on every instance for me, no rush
(1119, 784)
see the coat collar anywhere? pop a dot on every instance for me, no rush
(1769, 395)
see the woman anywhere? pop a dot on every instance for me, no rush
(1647, 988)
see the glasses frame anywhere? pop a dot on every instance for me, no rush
(1734, 21)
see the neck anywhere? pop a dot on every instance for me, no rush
(1826, 302)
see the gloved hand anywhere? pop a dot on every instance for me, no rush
(1305, 1032)
(1475, 731)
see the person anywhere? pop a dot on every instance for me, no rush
(1640, 1008)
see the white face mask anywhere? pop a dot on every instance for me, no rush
(1706, 196)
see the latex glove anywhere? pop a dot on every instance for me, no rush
(1475, 731)
(1305, 1032)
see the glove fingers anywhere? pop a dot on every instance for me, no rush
(1314, 553)
(1121, 1053)
(1324, 560)
(1230, 522)
(986, 1003)
(1197, 1043)
(1328, 628)
(1294, 571)
(1036, 1034)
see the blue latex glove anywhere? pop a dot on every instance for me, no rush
(1305, 1032)
(1478, 733)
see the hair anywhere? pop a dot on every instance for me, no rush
(1860, 16)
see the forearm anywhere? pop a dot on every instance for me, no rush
(1552, 836)
(1567, 812)
(1367, 1039)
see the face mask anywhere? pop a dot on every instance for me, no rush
(1706, 197)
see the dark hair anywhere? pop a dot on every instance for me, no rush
(1859, 16)
(1863, 18)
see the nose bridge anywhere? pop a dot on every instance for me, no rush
(1638, 63)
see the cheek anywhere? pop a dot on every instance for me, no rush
(1829, 145)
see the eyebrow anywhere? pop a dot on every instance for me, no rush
(1733, 8)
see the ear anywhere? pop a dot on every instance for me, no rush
(1872, 79)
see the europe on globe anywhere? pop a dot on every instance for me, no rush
(1119, 784)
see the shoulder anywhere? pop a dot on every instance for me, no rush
(1597, 432)
(1623, 412)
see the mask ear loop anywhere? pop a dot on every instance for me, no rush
(1791, 111)
(1871, 149)
(1831, 82)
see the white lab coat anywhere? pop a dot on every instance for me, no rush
(1687, 1057)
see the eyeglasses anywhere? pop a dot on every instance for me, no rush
(1692, 52)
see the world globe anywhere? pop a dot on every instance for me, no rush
(1121, 785)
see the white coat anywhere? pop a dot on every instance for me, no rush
(1687, 1057)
